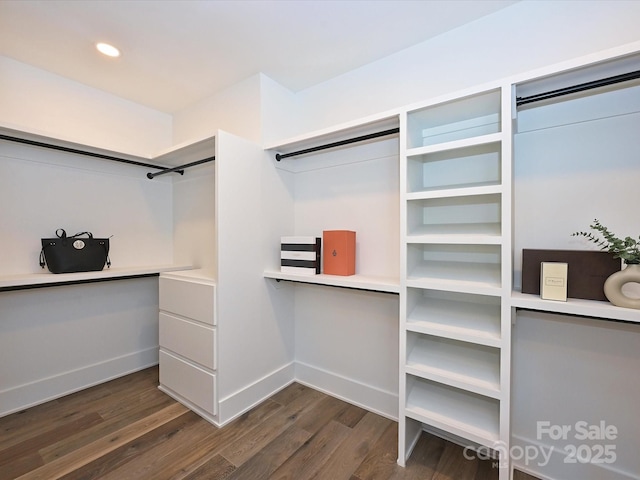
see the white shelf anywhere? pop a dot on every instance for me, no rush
(488, 238)
(338, 133)
(476, 215)
(574, 306)
(468, 366)
(33, 280)
(470, 116)
(476, 288)
(468, 318)
(186, 152)
(472, 165)
(455, 144)
(480, 188)
(465, 414)
(361, 282)
(197, 275)
(485, 275)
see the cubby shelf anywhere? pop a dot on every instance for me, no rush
(465, 414)
(469, 318)
(472, 367)
(455, 144)
(477, 288)
(485, 275)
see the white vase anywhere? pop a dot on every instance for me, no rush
(613, 287)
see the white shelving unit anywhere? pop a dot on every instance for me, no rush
(456, 271)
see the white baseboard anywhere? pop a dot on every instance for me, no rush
(366, 396)
(243, 400)
(34, 393)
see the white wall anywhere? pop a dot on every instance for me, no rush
(57, 340)
(42, 190)
(194, 232)
(280, 112)
(40, 102)
(235, 110)
(519, 38)
(575, 161)
(568, 370)
(255, 330)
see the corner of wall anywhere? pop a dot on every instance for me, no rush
(281, 115)
(235, 109)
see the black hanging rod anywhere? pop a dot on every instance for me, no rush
(338, 144)
(625, 77)
(79, 152)
(180, 168)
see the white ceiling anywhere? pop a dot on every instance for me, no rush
(175, 53)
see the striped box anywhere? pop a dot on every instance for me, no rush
(300, 255)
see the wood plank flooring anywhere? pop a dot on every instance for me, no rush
(128, 429)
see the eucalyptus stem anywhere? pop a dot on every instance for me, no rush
(627, 248)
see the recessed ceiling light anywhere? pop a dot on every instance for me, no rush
(108, 50)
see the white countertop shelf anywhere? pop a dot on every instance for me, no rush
(361, 282)
(575, 306)
(196, 275)
(47, 279)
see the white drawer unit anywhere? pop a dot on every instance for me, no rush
(195, 384)
(189, 297)
(188, 341)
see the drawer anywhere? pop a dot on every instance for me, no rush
(188, 299)
(188, 339)
(189, 381)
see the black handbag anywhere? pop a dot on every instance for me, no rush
(74, 254)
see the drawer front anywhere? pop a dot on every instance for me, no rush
(190, 381)
(191, 340)
(188, 299)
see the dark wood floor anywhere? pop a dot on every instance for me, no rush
(128, 429)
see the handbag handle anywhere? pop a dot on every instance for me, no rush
(64, 234)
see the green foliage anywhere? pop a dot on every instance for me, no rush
(628, 249)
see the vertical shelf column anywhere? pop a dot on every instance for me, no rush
(455, 191)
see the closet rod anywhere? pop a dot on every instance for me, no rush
(338, 144)
(180, 168)
(625, 77)
(79, 152)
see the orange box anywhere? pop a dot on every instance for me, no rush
(339, 252)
